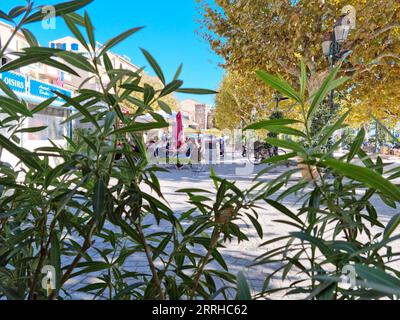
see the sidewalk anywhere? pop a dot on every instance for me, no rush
(238, 256)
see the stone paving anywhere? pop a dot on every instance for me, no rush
(238, 256)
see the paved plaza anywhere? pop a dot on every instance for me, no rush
(238, 256)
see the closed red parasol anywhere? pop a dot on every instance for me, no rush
(179, 131)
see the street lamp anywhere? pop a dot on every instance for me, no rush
(333, 41)
(278, 98)
(332, 46)
(254, 114)
(342, 29)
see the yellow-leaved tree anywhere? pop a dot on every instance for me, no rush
(272, 35)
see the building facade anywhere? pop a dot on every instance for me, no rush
(35, 83)
(210, 118)
(199, 115)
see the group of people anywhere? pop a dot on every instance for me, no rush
(157, 148)
(192, 150)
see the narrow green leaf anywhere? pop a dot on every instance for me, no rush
(328, 131)
(279, 84)
(128, 290)
(43, 105)
(55, 258)
(72, 27)
(196, 91)
(377, 279)
(99, 199)
(138, 127)
(178, 72)
(280, 158)
(61, 66)
(320, 95)
(266, 124)
(31, 129)
(287, 130)
(79, 107)
(324, 248)
(286, 145)
(6, 89)
(118, 39)
(193, 190)
(281, 208)
(217, 256)
(76, 60)
(21, 62)
(22, 154)
(60, 9)
(154, 65)
(90, 31)
(256, 225)
(76, 18)
(370, 177)
(5, 16)
(171, 87)
(17, 11)
(303, 79)
(30, 37)
(392, 226)
(390, 134)
(7, 214)
(356, 145)
(15, 105)
(165, 107)
(243, 288)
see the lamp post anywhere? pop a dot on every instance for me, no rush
(278, 98)
(332, 46)
(254, 114)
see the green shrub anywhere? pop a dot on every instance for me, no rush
(58, 216)
(337, 228)
(61, 215)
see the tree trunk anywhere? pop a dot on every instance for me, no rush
(316, 80)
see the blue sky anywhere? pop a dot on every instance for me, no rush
(169, 35)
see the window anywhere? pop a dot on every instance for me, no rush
(3, 61)
(62, 46)
(74, 47)
(51, 118)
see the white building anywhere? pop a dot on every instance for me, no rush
(35, 83)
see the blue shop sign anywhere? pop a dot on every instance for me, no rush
(44, 90)
(15, 82)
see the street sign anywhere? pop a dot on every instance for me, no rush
(15, 82)
(45, 90)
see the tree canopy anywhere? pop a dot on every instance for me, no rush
(238, 95)
(273, 35)
(237, 98)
